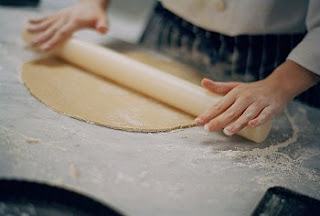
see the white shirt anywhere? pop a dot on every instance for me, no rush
(238, 17)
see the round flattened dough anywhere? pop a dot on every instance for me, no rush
(82, 95)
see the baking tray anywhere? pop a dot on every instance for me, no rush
(281, 201)
(26, 198)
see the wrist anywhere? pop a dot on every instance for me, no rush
(292, 79)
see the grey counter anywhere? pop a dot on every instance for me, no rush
(183, 172)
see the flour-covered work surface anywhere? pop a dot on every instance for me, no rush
(182, 172)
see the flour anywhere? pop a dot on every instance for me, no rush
(271, 152)
(122, 177)
(32, 140)
(276, 160)
(131, 119)
(8, 136)
(74, 171)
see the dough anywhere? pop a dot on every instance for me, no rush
(82, 95)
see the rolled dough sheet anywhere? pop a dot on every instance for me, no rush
(82, 95)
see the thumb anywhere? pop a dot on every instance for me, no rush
(101, 24)
(218, 87)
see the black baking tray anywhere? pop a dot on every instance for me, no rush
(20, 198)
(20, 3)
(281, 201)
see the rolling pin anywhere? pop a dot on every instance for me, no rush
(145, 79)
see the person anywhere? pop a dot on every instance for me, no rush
(270, 50)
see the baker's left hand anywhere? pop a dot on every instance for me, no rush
(244, 104)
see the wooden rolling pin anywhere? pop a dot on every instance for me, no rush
(145, 79)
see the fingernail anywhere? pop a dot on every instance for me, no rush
(103, 28)
(198, 120)
(206, 127)
(227, 132)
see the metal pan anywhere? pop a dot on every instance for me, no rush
(25, 198)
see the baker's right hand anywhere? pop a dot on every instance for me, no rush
(53, 29)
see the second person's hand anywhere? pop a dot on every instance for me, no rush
(53, 29)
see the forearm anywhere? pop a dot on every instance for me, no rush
(292, 78)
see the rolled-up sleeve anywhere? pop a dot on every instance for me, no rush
(307, 52)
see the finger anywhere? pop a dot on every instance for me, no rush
(41, 26)
(102, 24)
(48, 33)
(250, 113)
(215, 110)
(38, 20)
(218, 87)
(231, 114)
(266, 114)
(60, 36)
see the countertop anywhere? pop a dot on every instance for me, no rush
(183, 172)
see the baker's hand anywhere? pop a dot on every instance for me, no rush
(52, 29)
(244, 104)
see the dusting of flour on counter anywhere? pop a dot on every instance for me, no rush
(9, 136)
(275, 160)
(271, 151)
(32, 140)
